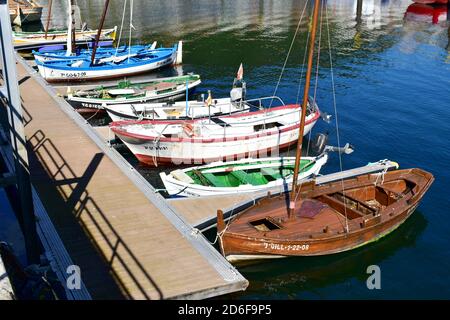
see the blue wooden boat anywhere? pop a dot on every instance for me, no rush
(102, 52)
(110, 67)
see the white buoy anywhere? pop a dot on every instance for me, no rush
(153, 47)
(179, 59)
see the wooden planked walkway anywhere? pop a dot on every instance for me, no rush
(128, 243)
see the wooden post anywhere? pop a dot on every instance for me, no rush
(99, 32)
(220, 221)
(304, 107)
(50, 2)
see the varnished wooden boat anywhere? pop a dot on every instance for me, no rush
(319, 220)
(329, 218)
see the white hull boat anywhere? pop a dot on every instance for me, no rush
(54, 71)
(242, 176)
(179, 111)
(28, 39)
(130, 95)
(174, 111)
(252, 134)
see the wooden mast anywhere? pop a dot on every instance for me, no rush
(73, 29)
(50, 2)
(304, 108)
(99, 31)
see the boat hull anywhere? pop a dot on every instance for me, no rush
(95, 104)
(320, 240)
(237, 249)
(59, 75)
(160, 152)
(27, 40)
(182, 189)
(175, 111)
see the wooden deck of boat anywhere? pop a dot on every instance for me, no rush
(127, 240)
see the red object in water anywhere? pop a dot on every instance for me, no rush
(426, 13)
(430, 1)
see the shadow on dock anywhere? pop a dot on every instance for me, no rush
(67, 202)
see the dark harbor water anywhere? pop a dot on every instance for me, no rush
(392, 78)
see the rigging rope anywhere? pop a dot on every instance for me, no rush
(289, 52)
(303, 66)
(336, 114)
(312, 103)
(316, 84)
(121, 27)
(131, 27)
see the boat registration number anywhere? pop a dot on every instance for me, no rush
(164, 62)
(289, 247)
(73, 74)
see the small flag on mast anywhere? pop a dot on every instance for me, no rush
(208, 101)
(240, 73)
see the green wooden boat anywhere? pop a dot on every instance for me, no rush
(242, 176)
(126, 92)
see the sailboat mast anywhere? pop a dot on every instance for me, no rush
(304, 108)
(73, 30)
(69, 29)
(99, 31)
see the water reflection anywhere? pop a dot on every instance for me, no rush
(427, 24)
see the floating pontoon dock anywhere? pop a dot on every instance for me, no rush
(128, 241)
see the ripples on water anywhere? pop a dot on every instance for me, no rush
(392, 67)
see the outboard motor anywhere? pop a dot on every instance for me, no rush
(319, 143)
(238, 92)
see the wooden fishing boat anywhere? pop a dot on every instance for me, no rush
(58, 37)
(180, 110)
(190, 109)
(324, 219)
(327, 219)
(106, 68)
(173, 110)
(126, 93)
(242, 176)
(24, 11)
(251, 134)
(81, 53)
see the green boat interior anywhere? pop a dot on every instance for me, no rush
(255, 176)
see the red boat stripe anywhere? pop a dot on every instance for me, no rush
(118, 131)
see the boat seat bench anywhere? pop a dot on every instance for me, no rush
(213, 180)
(271, 172)
(247, 178)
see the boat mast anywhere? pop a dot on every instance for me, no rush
(69, 30)
(99, 31)
(73, 29)
(48, 17)
(304, 108)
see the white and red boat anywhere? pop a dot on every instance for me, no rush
(431, 1)
(232, 137)
(429, 13)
